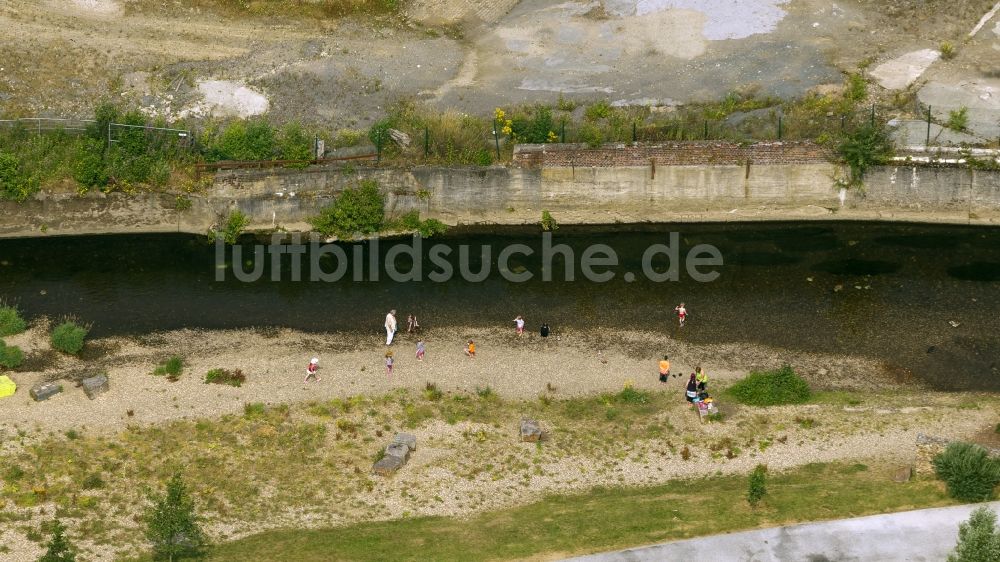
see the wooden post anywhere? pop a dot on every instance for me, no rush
(927, 141)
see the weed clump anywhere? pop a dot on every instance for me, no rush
(225, 376)
(68, 337)
(771, 388)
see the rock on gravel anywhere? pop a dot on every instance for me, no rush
(388, 465)
(406, 439)
(531, 431)
(399, 450)
(44, 391)
(95, 385)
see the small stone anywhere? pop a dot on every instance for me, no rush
(95, 385)
(903, 474)
(406, 439)
(44, 391)
(387, 465)
(531, 431)
(822, 372)
(398, 450)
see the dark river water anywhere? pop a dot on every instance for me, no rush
(889, 291)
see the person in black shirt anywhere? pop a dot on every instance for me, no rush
(544, 330)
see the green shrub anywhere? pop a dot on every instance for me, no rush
(536, 126)
(947, 50)
(757, 485)
(295, 144)
(245, 140)
(68, 337)
(485, 393)
(58, 549)
(958, 119)
(92, 481)
(411, 222)
(355, 210)
(856, 88)
(978, 538)
(865, 147)
(549, 222)
(968, 471)
(599, 110)
(11, 356)
(171, 368)
(11, 322)
(591, 135)
(15, 183)
(223, 376)
(771, 388)
(90, 169)
(236, 222)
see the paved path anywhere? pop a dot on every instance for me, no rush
(911, 536)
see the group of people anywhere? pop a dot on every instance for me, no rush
(696, 385)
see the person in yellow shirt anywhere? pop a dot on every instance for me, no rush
(470, 350)
(664, 369)
(702, 379)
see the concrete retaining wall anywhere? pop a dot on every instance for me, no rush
(791, 185)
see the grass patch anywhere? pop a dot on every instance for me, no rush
(602, 519)
(171, 368)
(225, 376)
(771, 388)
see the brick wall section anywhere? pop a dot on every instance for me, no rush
(929, 447)
(669, 154)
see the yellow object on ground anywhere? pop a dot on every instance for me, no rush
(7, 387)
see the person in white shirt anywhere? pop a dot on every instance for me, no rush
(390, 326)
(519, 325)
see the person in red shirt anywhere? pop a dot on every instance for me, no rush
(311, 370)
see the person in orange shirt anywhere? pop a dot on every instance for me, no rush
(664, 369)
(470, 349)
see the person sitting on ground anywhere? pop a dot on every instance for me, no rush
(411, 324)
(702, 379)
(692, 389)
(420, 350)
(664, 369)
(470, 350)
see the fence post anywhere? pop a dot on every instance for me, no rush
(633, 131)
(927, 142)
(378, 145)
(496, 137)
(873, 115)
(779, 127)
(109, 135)
(562, 132)
(706, 129)
(427, 141)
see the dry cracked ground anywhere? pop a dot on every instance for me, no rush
(191, 58)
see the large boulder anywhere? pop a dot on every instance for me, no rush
(388, 465)
(97, 384)
(44, 391)
(400, 450)
(531, 431)
(406, 439)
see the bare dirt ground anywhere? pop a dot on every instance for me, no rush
(57, 58)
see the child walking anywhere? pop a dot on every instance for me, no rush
(519, 325)
(312, 369)
(682, 314)
(388, 363)
(420, 350)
